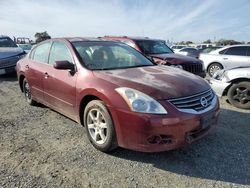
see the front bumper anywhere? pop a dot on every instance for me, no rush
(155, 133)
(218, 86)
(7, 70)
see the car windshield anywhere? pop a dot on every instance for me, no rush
(25, 46)
(153, 47)
(7, 42)
(107, 55)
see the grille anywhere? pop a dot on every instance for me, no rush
(196, 102)
(8, 62)
(194, 68)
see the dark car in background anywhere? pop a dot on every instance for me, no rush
(10, 53)
(162, 54)
(120, 96)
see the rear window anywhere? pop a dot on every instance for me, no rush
(41, 53)
(6, 42)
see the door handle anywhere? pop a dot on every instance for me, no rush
(27, 67)
(225, 58)
(46, 75)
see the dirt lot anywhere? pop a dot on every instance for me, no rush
(41, 148)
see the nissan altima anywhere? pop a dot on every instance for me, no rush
(121, 97)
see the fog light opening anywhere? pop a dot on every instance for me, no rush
(160, 139)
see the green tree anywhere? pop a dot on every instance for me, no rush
(207, 41)
(42, 36)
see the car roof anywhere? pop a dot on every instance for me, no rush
(226, 47)
(132, 38)
(77, 39)
(4, 36)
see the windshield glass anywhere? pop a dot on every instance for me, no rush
(153, 47)
(7, 42)
(103, 55)
(25, 46)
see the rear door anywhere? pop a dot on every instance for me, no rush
(59, 85)
(235, 57)
(34, 70)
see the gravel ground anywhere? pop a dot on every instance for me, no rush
(41, 148)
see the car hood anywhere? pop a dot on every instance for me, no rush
(160, 82)
(175, 58)
(10, 52)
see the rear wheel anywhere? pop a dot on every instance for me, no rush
(214, 67)
(99, 126)
(239, 95)
(27, 93)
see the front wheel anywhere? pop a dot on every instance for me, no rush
(214, 67)
(27, 93)
(239, 95)
(99, 126)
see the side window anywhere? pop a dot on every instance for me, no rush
(248, 51)
(223, 51)
(41, 53)
(59, 52)
(239, 50)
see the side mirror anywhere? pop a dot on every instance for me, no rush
(64, 65)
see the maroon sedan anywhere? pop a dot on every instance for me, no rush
(121, 97)
(162, 54)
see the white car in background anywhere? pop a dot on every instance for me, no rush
(177, 48)
(226, 58)
(189, 51)
(235, 84)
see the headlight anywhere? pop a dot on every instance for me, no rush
(140, 102)
(177, 66)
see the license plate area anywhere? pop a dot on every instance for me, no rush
(207, 120)
(2, 71)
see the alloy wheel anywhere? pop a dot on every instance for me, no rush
(97, 126)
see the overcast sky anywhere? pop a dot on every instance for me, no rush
(177, 20)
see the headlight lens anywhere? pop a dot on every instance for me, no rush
(177, 66)
(140, 102)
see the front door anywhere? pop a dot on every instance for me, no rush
(59, 85)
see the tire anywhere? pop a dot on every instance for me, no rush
(239, 95)
(99, 126)
(213, 68)
(27, 93)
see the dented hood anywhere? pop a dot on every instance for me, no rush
(160, 82)
(176, 58)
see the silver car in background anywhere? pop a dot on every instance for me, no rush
(226, 58)
(235, 84)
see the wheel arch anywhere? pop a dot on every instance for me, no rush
(83, 103)
(21, 79)
(214, 62)
(236, 80)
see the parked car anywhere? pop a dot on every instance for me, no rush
(226, 58)
(25, 47)
(189, 51)
(10, 53)
(235, 84)
(162, 54)
(203, 46)
(209, 49)
(177, 48)
(121, 97)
